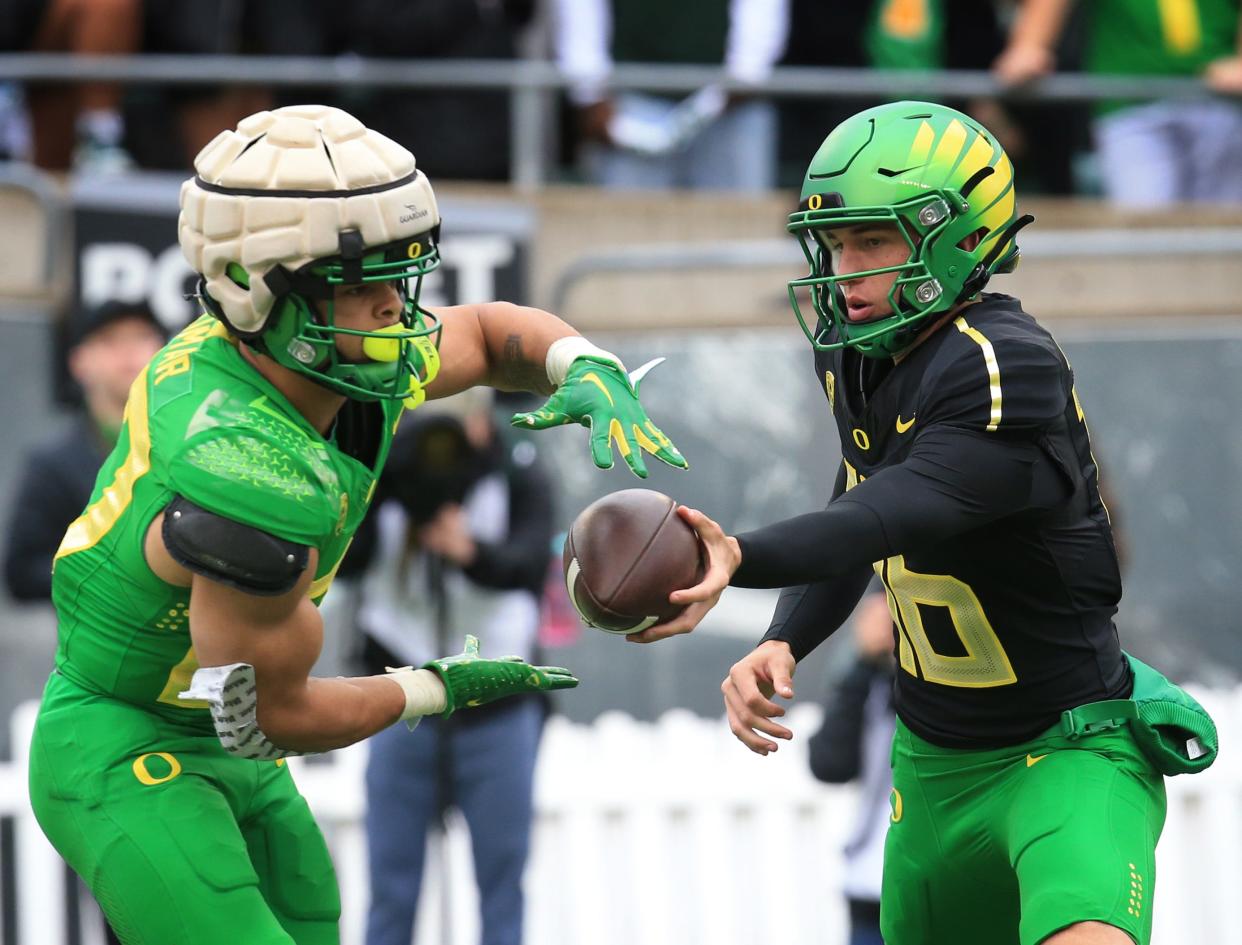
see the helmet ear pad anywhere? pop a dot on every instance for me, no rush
(284, 337)
(246, 309)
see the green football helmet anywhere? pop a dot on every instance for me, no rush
(291, 205)
(301, 329)
(939, 177)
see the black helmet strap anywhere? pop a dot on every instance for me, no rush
(978, 278)
(351, 247)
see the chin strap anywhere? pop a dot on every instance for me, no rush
(1005, 243)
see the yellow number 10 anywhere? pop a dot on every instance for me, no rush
(985, 663)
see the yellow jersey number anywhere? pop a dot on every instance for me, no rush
(985, 663)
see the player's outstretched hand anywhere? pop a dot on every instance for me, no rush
(723, 557)
(765, 672)
(469, 680)
(599, 394)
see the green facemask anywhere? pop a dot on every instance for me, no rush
(401, 359)
(935, 175)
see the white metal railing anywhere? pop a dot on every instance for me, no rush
(350, 70)
(673, 834)
(530, 83)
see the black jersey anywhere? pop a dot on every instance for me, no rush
(969, 479)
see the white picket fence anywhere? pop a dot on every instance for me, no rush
(673, 834)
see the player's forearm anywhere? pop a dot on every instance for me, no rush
(807, 615)
(330, 713)
(277, 640)
(811, 548)
(953, 480)
(516, 340)
(1039, 23)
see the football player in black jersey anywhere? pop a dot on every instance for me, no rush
(1028, 794)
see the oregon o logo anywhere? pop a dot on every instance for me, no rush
(861, 438)
(815, 201)
(414, 250)
(895, 816)
(143, 773)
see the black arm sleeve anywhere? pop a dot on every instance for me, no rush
(520, 561)
(808, 614)
(954, 480)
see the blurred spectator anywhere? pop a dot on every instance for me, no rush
(74, 125)
(219, 27)
(820, 34)
(1156, 152)
(707, 140)
(853, 744)
(458, 543)
(113, 345)
(925, 35)
(14, 123)
(936, 34)
(455, 134)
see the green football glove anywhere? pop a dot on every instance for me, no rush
(599, 394)
(469, 680)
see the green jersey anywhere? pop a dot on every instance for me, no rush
(1158, 37)
(203, 424)
(906, 34)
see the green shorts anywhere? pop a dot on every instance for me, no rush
(1010, 845)
(179, 841)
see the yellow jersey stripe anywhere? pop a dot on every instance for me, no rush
(989, 358)
(179, 681)
(105, 511)
(320, 586)
(1179, 21)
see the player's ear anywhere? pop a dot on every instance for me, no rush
(971, 240)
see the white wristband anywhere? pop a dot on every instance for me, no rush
(564, 351)
(424, 692)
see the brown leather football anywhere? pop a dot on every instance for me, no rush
(624, 555)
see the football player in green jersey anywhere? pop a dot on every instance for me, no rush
(1028, 758)
(186, 591)
(1152, 152)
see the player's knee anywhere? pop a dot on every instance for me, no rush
(1089, 933)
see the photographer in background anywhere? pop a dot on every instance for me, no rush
(108, 349)
(457, 543)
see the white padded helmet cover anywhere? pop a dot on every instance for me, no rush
(296, 153)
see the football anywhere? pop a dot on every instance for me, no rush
(624, 555)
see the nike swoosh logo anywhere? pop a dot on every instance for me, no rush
(1032, 760)
(889, 172)
(591, 377)
(472, 703)
(903, 427)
